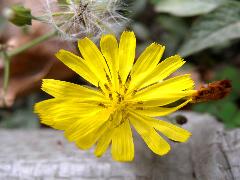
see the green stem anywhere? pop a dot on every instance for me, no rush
(8, 55)
(31, 44)
(41, 19)
(62, 13)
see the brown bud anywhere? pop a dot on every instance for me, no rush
(212, 91)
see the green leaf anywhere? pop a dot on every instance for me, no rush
(232, 73)
(209, 107)
(220, 26)
(236, 119)
(226, 112)
(171, 36)
(187, 7)
(169, 23)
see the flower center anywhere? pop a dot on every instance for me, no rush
(118, 103)
(118, 107)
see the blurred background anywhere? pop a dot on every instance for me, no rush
(206, 33)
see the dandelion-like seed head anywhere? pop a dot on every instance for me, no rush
(126, 95)
(74, 19)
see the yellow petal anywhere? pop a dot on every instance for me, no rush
(109, 48)
(60, 114)
(103, 143)
(122, 143)
(162, 71)
(145, 64)
(148, 59)
(127, 48)
(78, 65)
(62, 89)
(165, 88)
(171, 131)
(89, 140)
(153, 140)
(85, 126)
(94, 59)
(163, 99)
(158, 111)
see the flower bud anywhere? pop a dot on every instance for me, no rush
(18, 15)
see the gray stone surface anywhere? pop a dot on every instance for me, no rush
(211, 154)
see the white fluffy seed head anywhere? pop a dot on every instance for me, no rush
(74, 19)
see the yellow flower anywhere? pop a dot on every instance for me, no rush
(125, 96)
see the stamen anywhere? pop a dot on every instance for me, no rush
(110, 96)
(119, 99)
(121, 122)
(129, 78)
(124, 117)
(108, 78)
(134, 92)
(140, 102)
(102, 105)
(107, 87)
(126, 85)
(119, 79)
(125, 89)
(100, 89)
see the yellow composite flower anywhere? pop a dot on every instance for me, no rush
(124, 95)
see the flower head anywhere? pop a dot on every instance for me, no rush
(126, 95)
(75, 19)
